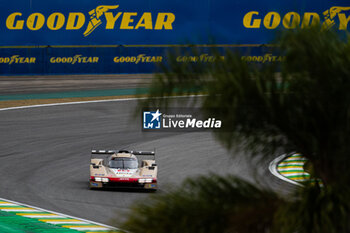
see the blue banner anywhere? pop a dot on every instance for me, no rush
(109, 60)
(50, 37)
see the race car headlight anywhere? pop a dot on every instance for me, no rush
(145, 180)
(102, 179)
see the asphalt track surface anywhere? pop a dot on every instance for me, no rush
(45, 153)
(63, 83)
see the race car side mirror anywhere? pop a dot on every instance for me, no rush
(154, 164)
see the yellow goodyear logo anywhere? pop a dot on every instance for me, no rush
(272, 20)
(17, 59)
(141, 58)
(77, 59)
(77, 20)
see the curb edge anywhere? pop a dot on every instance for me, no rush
(273, 169)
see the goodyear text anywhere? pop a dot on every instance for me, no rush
(290, 20)
(17, 59)
(76, 21)
(77, 59)
(141, 58)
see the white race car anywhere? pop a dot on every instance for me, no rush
(123, 169)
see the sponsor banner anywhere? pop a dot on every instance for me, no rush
(119, 36)
(144, 22)
(108, 60)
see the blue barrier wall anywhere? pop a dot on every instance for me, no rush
(109, 36)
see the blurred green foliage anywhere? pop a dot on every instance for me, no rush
(207, 204)
(315, 209)
(301, 105)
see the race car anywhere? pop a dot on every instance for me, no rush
(123, 169)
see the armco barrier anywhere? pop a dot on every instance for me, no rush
(94, 36)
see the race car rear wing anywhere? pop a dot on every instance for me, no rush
(110, 152)
(101, 156)
(105, 153)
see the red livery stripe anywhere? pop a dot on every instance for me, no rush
(123, 179)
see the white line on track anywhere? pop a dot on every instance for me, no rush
(91, 101)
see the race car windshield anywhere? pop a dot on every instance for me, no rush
(125, 163)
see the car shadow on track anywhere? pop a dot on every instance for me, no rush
(85, 185)
(122, 189)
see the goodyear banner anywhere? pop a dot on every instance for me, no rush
(119, 36)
